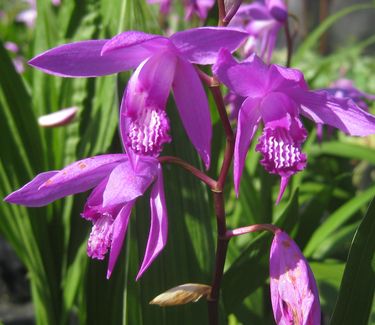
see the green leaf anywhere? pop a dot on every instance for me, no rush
(344, 149)
(338, 218)
(358, 284)
(312, 40)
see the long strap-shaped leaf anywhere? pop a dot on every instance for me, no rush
(358, 283)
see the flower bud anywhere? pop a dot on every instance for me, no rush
(294, 294)
(182, 294)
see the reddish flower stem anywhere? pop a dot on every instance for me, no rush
(222, 14)
(190, 168)
(289, 43)
(219, 205)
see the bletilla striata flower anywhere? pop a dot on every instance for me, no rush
(161, 64)
(294, 294)
(263, 21)
(117, 183)
(344, 88)
(199, 8)
(278, 96)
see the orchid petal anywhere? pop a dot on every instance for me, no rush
(142, 44)
(281, 78)
(85, 59)
(59, 118)
(75, 178)
(150, 84)
(29, 195)
(294, 294)
(193, 107)
(125, 184)
(278, 9)
(201, 45)
(248, 119)
(245, 79)
(120, 226)
(283, 184)
(341, 113)
(159, 224)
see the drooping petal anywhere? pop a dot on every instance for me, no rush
(159, 224)
(75, 178)
(94, 202)
(245, 79)
(248, 120)
(294, 294)
(193, 107)
(201, 45)
(125, 184)
(85, 59)
(119, 227)
(341, 113)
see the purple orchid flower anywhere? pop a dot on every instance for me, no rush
(262, 20)
(117, 183)
(294, 294)
(162, 63)
(192, 7)
(344, 88)
(165, 5)
(278, 96)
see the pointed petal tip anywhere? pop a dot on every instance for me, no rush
(109, 273)
(283, 184)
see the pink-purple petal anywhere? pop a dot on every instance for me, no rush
(245, 79)
(29, 195)
(75, 178)
(159, 224)
(84, 59)
(248, 120)
(294, 294)
(120, 226)
(138, 43)
(193, 107)
(151, 83)
(125, 184)
(341, 113)
(201, 45)
(59, 118)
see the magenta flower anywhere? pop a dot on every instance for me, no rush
(165, 5)
(294, 294)
(116, 187)
(262, 20)
(192, 7)
(345, 89)
(163, 63)
(278, 96)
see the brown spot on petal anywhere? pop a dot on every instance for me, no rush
(286, 243)
(48, 182)
(82, 165)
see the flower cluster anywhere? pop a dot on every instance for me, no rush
(264, 94)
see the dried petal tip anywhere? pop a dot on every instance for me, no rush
(294, 294)
(59, 118)
(101, 237)
(148, 132)
(182, 294)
